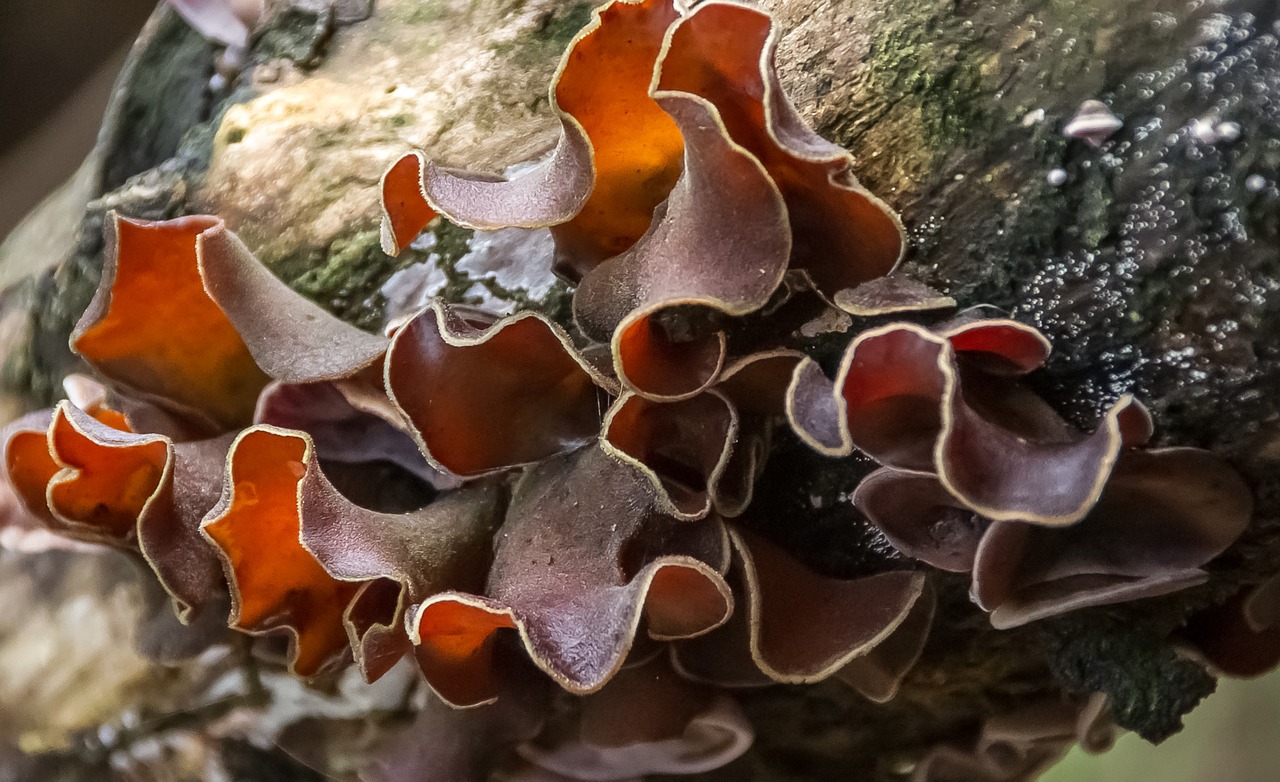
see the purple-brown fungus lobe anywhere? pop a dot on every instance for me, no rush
(574, 507)
(1021, 744)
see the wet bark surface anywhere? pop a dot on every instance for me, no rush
(1151, 262)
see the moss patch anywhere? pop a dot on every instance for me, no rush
(931, 60)
(295, 33)
(166, 96)
(549, 37)
(1149, 685)
(344, 277)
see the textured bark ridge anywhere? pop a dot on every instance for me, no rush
(1152, 263)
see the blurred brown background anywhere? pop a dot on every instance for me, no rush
(58, 59)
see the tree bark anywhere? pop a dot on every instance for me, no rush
(1152, 263)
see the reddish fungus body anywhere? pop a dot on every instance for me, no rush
(589, 524)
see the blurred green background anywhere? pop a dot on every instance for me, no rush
(1234, 736)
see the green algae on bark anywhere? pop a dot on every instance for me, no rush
(344, 277)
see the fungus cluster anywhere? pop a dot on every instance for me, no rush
(512, 501)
